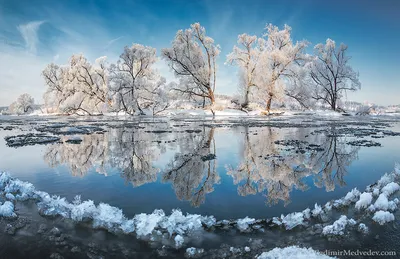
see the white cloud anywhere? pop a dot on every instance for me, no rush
(29, 33)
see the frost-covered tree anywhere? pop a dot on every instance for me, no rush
(331, 74)
(135, 84)
(79, 87)
(246, 56)
(192, 58)
(278, 63)
(22, 105)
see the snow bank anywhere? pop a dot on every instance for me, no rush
(293, 252)
(383, 217)
(338, 227)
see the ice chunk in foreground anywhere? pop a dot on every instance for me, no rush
(293, 252)
(390, 188)
(243, 224)
(364, 201)
(83, 210)
(382, 203)
(350, 197)
(317, 210)
(180, 224)
(192, 251)
(293, 220)
(108, 217)
(383, 217)
(363, 228)
(7, 209)
(145, 224)
(179, 241)
(338, 227)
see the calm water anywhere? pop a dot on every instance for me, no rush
(228, 168)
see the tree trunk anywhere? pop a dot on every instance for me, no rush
(245, 104)
(269, 101)
(211, 96)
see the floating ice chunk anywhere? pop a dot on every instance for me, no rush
(307, 213)
(128, 226)
(350, 197)
(83, 210)
(364, 201)
(390, 188)
(108, 217)
(277, 221)
(209, 221)
(382, 203)
(247, 249)
(385, 179)
(179, 241)
(338, 227)
(4, 179)
(21, 190)
(7, 209)
(328, 206)
(292, 252)
(293, 220)
(317, 210)
(234, 250)
(397, 168)
(243, 224)
(363, 228)
(392, 206)
(145, 223)
(54, 206)
(192, 252)
(383, 217)
(180, 224)
(10, 196)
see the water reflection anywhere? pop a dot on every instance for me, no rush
(273, 161)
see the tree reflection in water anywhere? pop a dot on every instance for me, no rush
(273, 161)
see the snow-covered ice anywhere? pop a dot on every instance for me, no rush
(364, 201)
(383, 217)
(338, 227)
(243, 224)
(7, 209)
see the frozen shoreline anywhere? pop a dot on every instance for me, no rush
(177, 228)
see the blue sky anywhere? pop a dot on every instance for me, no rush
(35, 33)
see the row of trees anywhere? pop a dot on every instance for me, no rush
(271, 68)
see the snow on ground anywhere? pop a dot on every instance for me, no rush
(293, 252)
(177, 226)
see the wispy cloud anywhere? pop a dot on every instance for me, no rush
(29, 32)
(112, 42)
